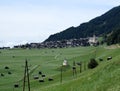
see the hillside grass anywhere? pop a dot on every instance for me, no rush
(105, 77)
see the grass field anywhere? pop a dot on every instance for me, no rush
(105, 77)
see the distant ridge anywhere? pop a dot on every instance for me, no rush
(101, 25)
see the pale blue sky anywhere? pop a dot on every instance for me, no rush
(23, 21)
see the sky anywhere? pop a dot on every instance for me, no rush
(26, 21)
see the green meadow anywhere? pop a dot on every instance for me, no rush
(105, 77)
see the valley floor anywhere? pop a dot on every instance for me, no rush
(105, 77)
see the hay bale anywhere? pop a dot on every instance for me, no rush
(73, 68)
(43, 75)
(50, 79)
(78, 63)
(16, 85)
(9, 73)
(40, 73)
(36, 77)
(100, 59)
(109, 58)
(2, 74)
(41, 80)
(6, 67)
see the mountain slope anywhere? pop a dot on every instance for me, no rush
(103, 24)
(114, 37)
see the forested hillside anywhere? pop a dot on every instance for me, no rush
(114, 37)
(99, 26)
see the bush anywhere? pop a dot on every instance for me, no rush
(92, 64)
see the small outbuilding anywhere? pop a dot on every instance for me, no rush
(65, 63)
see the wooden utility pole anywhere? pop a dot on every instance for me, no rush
(26, 75)
(61, 75)
(84, 65)
(74, 69)
(80, 67)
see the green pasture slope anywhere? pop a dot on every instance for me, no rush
(105, 77)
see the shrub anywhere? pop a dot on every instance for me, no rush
(92, 64)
